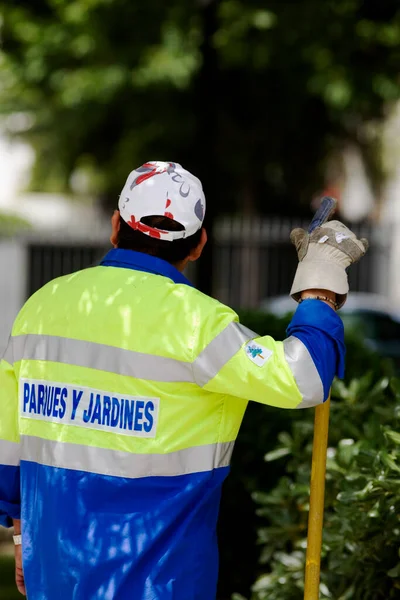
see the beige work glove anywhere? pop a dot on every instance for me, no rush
(324, 256)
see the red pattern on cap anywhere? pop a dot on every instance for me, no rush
(155, 170)
(151, 231)
(166, 213)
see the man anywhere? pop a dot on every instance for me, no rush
(122, 391)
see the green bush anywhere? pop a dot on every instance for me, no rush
(360, 558)
(238, 523)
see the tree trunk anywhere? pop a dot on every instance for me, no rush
(206, 107)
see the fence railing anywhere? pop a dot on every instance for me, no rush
(253, 259)
(49, 260)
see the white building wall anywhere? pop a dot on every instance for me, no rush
(391, 216)
(12, 285)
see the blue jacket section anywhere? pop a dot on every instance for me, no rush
(125, 539)
(321, 330)
(9, 495)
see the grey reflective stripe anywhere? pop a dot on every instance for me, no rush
(304, 371)
(219, 351)
(133, 364)
(9, 453)
(100, 356)
(125, 464)
(8, 353)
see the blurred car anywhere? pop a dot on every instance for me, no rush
(369, 315)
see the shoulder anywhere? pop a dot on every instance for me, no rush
(208, 316)
(51, 292)
(209, 307)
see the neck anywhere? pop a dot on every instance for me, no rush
(181, 265)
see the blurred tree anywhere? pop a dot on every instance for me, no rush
(105, 84)
(10, 224)
(100, 81)
(205, 161)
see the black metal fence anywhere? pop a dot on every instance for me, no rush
(46, 261)
(253, 260)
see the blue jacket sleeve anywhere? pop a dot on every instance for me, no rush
(321, 330)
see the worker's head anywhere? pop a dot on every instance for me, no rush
(161, 212)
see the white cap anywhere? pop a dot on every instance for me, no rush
(163, 189)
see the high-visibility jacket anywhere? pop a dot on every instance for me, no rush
(122, 391)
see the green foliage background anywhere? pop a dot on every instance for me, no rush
(362, 513)
(252, 95)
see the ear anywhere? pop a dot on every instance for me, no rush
(195, 253)
(115, 228)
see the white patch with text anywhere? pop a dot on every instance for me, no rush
(324, 239)
(87, 407)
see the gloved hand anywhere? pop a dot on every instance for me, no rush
(324, 256)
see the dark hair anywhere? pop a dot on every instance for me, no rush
(172, 252)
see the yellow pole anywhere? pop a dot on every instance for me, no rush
(317, 495)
